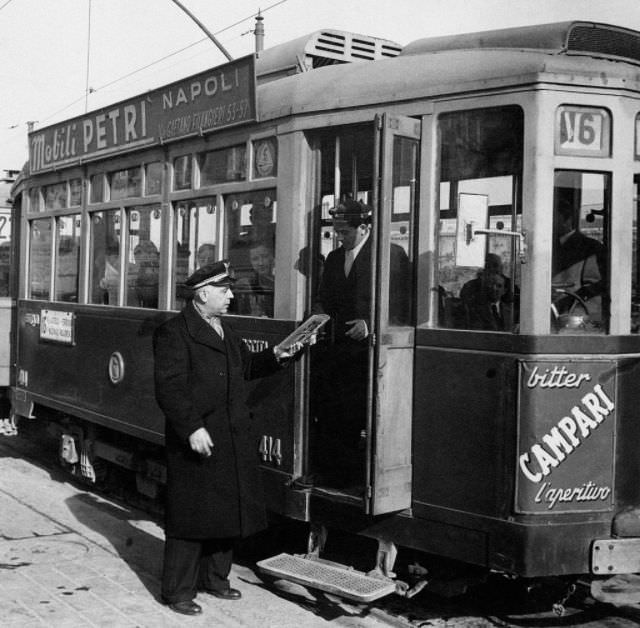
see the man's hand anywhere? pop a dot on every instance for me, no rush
(358, 330)
(289, 352)
(201, 442)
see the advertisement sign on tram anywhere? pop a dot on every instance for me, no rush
(219, 98)
(566, 430)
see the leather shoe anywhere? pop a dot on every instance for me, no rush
(188, 607)
(227, 594)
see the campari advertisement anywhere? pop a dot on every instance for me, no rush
(566, 433)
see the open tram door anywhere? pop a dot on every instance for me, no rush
(391, 361)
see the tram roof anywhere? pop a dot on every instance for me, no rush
(424, 69)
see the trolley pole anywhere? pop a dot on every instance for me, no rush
(208, 33)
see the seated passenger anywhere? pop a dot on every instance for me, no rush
(579, 267)
(206, 255)
(147, 263)
(254, 294)
(486, 303)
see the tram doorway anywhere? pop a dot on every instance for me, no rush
(360, 372)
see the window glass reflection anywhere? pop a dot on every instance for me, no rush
(105, 257)
(40, 259)
(580, 292)
(143, 267)
(68, 258)
(481, 155)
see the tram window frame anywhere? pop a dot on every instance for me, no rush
(494, 136)
(97, 188)
(132, 183)
(188, 239)
(591, 300)
(234, 152)
(182, 176)
(72, 245)
(101, 284)
(43, 272)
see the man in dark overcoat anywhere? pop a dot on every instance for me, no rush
(340, 365)
(214, 493)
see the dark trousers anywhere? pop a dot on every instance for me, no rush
(192, 564)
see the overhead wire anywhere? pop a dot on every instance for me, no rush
(160, 60)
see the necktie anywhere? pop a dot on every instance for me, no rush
(348, 262)
(217, 326)
(496, 315)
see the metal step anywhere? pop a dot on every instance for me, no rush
(316, 574)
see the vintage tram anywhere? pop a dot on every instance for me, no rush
(510, 443)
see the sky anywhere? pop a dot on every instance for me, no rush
(61, 58)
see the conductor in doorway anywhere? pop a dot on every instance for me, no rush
(340, 367)
(214, 493)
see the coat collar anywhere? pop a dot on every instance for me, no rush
(201, 331)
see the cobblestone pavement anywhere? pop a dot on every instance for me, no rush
(70, 558)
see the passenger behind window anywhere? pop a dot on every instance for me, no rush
(110, 281)
(579, 269)
(254, 293)
(487, 302)
(206, 255)
(146, 275)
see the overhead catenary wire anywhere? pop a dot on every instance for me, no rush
(160, 60)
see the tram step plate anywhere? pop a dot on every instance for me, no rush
(344, 582)
(614, 556)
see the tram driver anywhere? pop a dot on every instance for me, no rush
(579, 267)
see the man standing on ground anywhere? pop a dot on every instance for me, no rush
(214, 494)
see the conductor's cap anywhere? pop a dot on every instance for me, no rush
(354, 213)
(216, 274)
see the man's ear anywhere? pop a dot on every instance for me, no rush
(202, 296)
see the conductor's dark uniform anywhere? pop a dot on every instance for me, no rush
(200, 382)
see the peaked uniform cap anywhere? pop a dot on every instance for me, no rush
(216, 274)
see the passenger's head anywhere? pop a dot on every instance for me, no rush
(206, 254)
(493, 263)
(351, 222)
(494, 286)
(563, 217)
(146, 250)
(261, 258)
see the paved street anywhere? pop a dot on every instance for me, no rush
(70, 558)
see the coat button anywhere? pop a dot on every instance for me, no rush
(221, 373)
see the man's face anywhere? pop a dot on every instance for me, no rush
(216, 299)
(349, 236)
(495, 286)
(261, 260)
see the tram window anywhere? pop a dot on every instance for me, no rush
(251, 243)
(143, 267)
(68, 258)
(265, 158)
(125, 183)
(182, 172)
(5, 253)
(105, 257)
(55, 196)
(153, 178)
(40, 259)
(197, 242)
(635, 270)
(481, 153)
(404, 181)
(96, 184)
(35, 200)
(223, 165)
(75, 192)
(580, 290)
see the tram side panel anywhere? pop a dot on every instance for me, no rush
(522, 461)
(102, 374)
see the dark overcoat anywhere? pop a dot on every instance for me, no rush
(200, 382)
